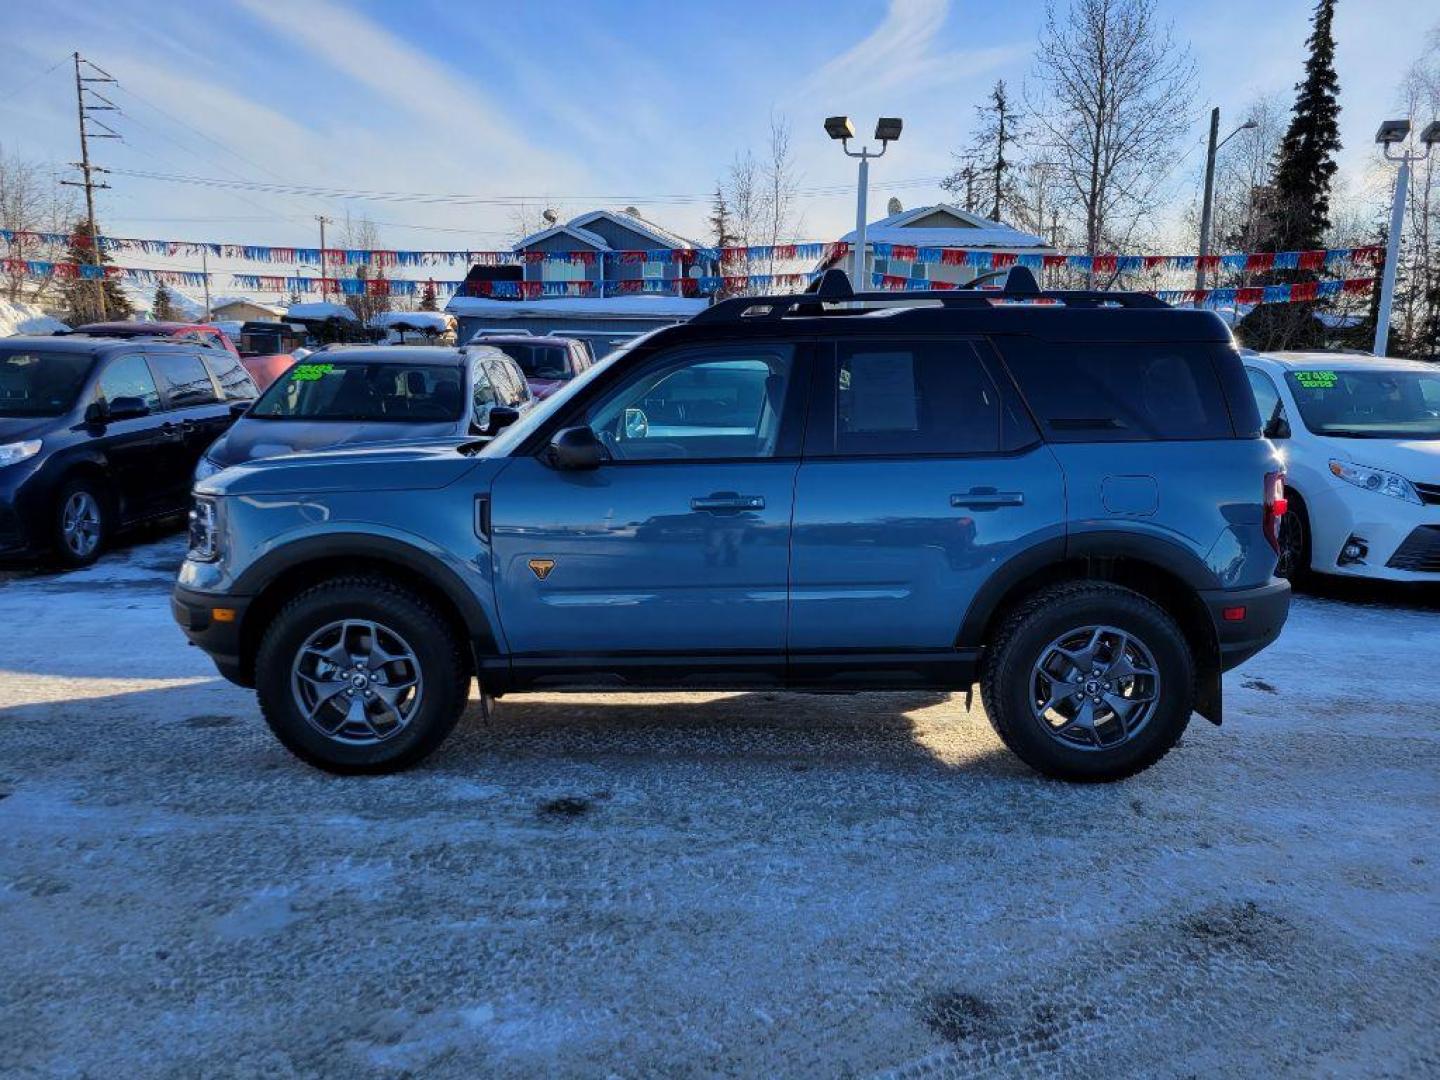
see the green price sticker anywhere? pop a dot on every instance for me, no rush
(1315, 380)
(310, 372)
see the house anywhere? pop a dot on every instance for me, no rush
(611, 246)
(943, 227)
(239, 309)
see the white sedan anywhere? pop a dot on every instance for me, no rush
(1361, 439)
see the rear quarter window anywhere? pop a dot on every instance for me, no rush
(1123, 391)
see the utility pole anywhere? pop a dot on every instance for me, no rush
(83, 110)
(1207, 206)
(205, 269)
(324, 273)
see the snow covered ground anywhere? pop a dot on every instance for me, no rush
(708, 883)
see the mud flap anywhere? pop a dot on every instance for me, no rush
(1209, 696)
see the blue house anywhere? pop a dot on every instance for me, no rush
(610, 242)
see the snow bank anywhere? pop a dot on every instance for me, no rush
(636, 307)
(321, 310)
(18, 318)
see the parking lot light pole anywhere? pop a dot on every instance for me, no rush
(1209, 202)
(887, 130)
(1393, 133)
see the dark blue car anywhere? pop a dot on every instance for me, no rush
(1068, 501)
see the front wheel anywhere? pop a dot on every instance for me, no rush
(360, 675)
(1089, 682)
(81, 523)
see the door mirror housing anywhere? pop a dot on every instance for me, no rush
(502, 416)
(1277, 428)
(126, 408)
(576, 448)
(95, 414)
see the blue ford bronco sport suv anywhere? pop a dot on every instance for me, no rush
(1063, 496)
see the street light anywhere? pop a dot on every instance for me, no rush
(887, 130)
(1393, 133)
(1206, 207)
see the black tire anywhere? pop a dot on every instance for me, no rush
(63, 540)
(1006, 677)
(438, 655)
(1294, 531)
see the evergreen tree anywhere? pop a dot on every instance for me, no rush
(80, 295)
(427, 297)
(1306, 162)
(720, 227)
(162, 308)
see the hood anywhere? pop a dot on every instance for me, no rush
(396, 466)
(1418, 460)
(16, 428)
(249, 440)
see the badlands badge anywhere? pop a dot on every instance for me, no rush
(542, 567)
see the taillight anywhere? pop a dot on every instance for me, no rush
(1275, 506)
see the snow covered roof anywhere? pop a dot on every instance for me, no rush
(960, 229)
(437, 321)
(576, 227)
(320, 310)
(634, 307)
(21, 318)
(218, 302)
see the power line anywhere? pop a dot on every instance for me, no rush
(28, 83)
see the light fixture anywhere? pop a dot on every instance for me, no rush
(1392, 131)
(1431, 135)
(887, 128)
(839, 127)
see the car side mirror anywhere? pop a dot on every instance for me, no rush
(502, 416)
(239, 409)
(95, 414)
(576, 448)
(1277, 428)
(126, 408)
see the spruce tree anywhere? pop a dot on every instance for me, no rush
(720, 221)
(1305, 164)
(162, 308)
(82, 303)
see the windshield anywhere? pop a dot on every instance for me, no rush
(539, 361)
(1368, 404)
(35, 382)
(355, 390)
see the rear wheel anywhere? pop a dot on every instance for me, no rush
(81, 523)
(360, 675)
(1089, 682)
(1293, 534)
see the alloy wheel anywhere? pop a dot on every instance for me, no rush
(357, 682)
(80, 524)
(1094, 687)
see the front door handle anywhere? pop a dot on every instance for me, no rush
(987, 498)
(169, 430)
(724, 502)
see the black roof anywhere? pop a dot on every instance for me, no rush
(392, 354)
(86, 343)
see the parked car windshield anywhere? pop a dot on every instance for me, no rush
(1368, 404)
(356, 390)
(34, 382)
(539, 361)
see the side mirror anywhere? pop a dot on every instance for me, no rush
(576, 448)
(1277, 428)
(127, 408)
(95, 414)
(239, 409)
(502, 416)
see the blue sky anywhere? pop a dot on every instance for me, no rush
(576, 105)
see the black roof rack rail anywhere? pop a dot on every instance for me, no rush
(833, 287)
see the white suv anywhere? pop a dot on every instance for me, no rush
(1361, 439)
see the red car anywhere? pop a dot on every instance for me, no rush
(263, 369)
(548, 362)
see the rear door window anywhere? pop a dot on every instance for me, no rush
(129, 377)
(235, 382)
(1120, 391)
(184, 379)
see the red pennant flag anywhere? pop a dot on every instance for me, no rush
(1249, 296)
(1304, 290)
(1260, 260)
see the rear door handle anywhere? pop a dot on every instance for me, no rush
(724, 502)
(987, 499)
(169, 430)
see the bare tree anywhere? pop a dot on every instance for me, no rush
(1110, 95)
(361, 234)
(1242, 173)
(1417, 295)
(32, 201)
(744, 196)
(779, 183)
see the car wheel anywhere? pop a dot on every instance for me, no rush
(1293, 533)
(1089, 682)
(361, 675)
(81, 523)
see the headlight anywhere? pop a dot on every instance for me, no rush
(11, 453)
(205, 469)
(203, 538)
(1376, 480)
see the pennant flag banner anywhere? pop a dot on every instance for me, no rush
(39, 268)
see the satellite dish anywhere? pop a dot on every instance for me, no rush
(550, 216)
(632, 211)
(893, 206)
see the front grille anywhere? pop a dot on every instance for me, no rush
(1420, 551)
(1429, 493)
